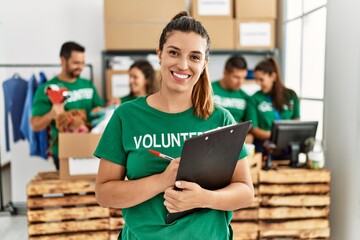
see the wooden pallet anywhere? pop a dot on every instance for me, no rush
(245, 221)
(295, 203)
(255, 163)
(289, 203)
(64, 209)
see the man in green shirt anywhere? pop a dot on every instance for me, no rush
(81, 94)
(227, 92)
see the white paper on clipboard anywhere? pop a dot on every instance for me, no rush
(120, 85)
(255, 34)
(214, 7)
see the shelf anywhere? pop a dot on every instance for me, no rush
(271, 52)
(108, 54)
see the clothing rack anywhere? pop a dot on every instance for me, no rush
(45, 65)
(9, 206)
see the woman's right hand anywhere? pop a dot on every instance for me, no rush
(169, 175)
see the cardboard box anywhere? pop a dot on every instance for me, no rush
(255, 9)
(256, 34)
(133, 35)
(76, 155)
(221, 33)
(117, 83)
(142, 10)
(212, 9)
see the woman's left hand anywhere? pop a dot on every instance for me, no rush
(190, 196)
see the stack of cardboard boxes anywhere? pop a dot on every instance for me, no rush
(137, 24)
(255, 24)
(218, 19)
(232, 24)
(238, 24)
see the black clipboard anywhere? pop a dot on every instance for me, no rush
(210, 159)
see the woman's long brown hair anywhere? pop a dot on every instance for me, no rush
(202, 91)
(280, 95)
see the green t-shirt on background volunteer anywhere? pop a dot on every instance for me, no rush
(260, 110)
(82, 95)
(134, 128)
(127, 98)
(234, 101)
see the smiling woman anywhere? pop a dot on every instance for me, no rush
(182, 108)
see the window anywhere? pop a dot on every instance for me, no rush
(304, 56)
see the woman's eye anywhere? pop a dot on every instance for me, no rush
(173, 52)
(195, 58)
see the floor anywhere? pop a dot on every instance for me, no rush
(13, 227)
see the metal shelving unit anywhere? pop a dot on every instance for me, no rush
(108, 54)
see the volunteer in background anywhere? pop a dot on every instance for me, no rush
(182, 107)
(273, 102)
(227, 92)
(81, 94)
(142, 80)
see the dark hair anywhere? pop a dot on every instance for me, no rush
(202, 91)
(279, 93)
(146, 68)
(235, 61)
(68, 47)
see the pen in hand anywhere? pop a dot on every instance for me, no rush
(156, 153)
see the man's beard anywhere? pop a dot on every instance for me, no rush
(74, 73)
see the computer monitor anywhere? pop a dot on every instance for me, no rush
(290, 135)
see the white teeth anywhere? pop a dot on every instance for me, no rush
(180, 75)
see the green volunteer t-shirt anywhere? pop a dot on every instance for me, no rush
(234, 101)
(134, 128)
(127, 98)
(260, 110)
(82, 95)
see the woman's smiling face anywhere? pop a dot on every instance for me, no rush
(182, 60)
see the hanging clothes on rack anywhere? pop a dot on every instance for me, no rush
(38, 141)
(14, 95)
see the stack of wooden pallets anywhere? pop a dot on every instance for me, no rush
(64, 209)
(245, 221)
(295, 203)
(289, 203)
(116, 222)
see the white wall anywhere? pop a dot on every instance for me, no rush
(342, 116)
(33, 32)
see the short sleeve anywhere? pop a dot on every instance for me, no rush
(110, 146)
(97, 101)
(41, 103)
(229, 119)
(296, 107)
(251, 113)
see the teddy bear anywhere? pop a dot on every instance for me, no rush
(72, 121)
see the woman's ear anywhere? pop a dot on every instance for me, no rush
(274, 76)
(158, 53)
(205, 64)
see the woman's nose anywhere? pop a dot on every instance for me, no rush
(183, 64)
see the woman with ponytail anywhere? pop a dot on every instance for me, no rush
(273, 102)
(141, 184)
